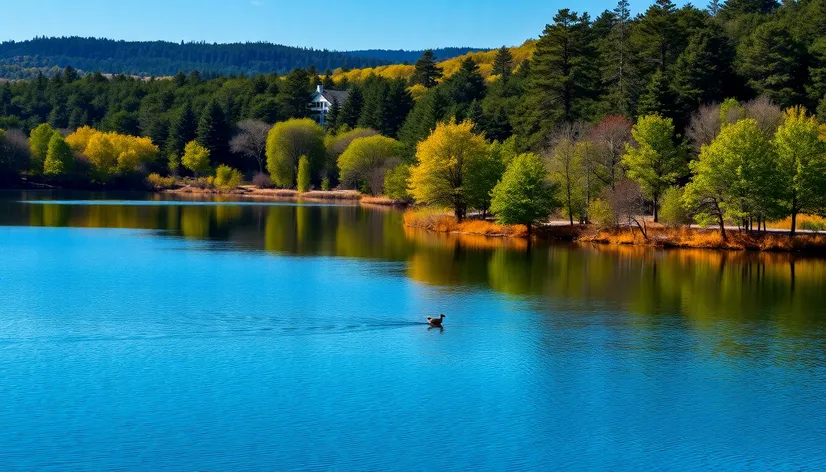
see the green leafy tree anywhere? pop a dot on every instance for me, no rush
(196, 158)
(734, 177)
(227, 178)
(525, 195)
(287, 142)
(39, 140)
(672, 210)
(427, 73)
(801, 153)
(483, 174)
(367, 160)
(59, 158)
(655, 161)
(395, 183)
(303, 180)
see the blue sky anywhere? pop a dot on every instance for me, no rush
(341, 25)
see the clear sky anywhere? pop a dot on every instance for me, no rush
(340, 25)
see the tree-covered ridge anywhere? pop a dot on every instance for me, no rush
(23, 59)
(400, 56)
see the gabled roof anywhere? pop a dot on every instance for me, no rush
(334, 95)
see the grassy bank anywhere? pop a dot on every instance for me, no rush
(657, 235)
(253, 192)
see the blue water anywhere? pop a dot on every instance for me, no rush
(137, 349)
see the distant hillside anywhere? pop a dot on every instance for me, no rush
(25, 59)
(484, 59)
(400, 56)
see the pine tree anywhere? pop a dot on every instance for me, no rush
(616, 57)
(773, 62)
(658, 97)
(351, 111)
(503, 64)
(214, 132)
(333, 116)
(398, 104)
(657, 36)
(182, 130)
(427, 72)
(328, 83)
(703, 73)
(294, 95)
(564, 80)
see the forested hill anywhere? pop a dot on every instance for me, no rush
(401, 56)
(24, 59)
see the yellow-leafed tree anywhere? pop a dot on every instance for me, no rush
(441, 174)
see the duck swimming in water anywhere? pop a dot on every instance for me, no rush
(436, 321)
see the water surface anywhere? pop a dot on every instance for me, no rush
(150, 334)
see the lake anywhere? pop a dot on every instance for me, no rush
(140, 333)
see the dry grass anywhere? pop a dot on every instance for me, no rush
(708, 239)
(382, 201)
(442, 222)
(801, 221)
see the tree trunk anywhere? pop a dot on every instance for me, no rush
(459, 215)
(722, 226)
(530, 230)
(794, 222)
(656, 213)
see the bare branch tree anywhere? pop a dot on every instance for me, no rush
(251, 141)
(627, 202)
(768, 115)
(704, 126)
(609, 137)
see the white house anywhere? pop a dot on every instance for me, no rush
(323, 101)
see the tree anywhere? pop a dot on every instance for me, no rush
(303, 180)
(801, 153)
(426, 71)
(673, 211)
(39, 140)
(655, 161)
(287, 142)
(525, 195)
(331, 122)
(703, 127)
(773, 62)
(503, 64)
(609, 138)
(327, 82)
(441, 173)
(368, 160)
(196, 158)
(59, 159)
(568, 171)
(351, 112)
(483, 175)
(616, 55)
(564, 80)
(14, 154)
(395, 183)
(294, 95)
(213, 131)
(734, 177)
(182, 129)
(657, 36)
(251, 141)
(335, 145)
(703, 70)
(658, 97)
(227, 178)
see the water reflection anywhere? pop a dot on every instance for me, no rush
(703, 287)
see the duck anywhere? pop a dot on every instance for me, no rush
(435, 321)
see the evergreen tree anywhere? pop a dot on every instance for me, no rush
(616, 57)
(333, 116)
(657, 36)
(328, 83)
(658, 97)
(427, 73)
(564, 80)
(466, 85)
(214, 132)
(773, 62)
(703, 72)
(503, 64)
(351, 111)
(294, 95)
(398, 104)
(182, 130)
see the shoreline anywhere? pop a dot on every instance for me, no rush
(266, 194)
(657, 236)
